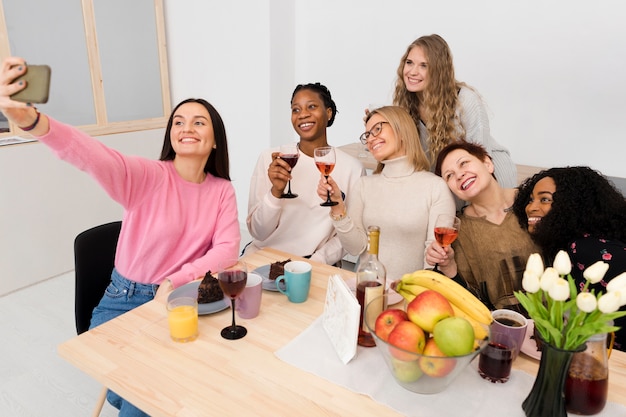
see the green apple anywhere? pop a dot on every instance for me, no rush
(428, 308)
(434, 362)
(406, 371)
(454, 336)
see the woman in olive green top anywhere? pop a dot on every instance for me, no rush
(491, 250)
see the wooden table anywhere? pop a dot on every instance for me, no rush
(134, 356)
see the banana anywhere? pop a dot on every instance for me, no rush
(480, 329)
(455, 293)
(408, 291)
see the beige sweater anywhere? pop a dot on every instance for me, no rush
(404, 204)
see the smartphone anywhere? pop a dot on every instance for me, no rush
(37, 78)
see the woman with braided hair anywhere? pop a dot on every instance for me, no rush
(446, 110)
(299, 225)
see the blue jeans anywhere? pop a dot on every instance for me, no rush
(122, 295)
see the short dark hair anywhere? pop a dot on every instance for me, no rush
(217, 164)
(324, 93)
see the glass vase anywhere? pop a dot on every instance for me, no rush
(547, 396)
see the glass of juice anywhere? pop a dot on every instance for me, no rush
(182, 316)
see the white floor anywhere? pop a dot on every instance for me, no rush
(34, 380)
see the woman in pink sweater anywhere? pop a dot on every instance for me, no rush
(180, 213)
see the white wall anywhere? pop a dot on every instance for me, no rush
(552, 74)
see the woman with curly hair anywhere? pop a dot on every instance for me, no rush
(578, 210)
(444, 109)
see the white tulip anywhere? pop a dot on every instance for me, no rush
(617, 283)
(586, 302)
(548, 277)
(559, 290)
(609, 302)
(562, 263)
(595, 272)
(535, 264)
(530, 282)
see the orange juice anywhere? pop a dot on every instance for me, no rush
(183, 322)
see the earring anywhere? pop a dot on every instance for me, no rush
(214, 146)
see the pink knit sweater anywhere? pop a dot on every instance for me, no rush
(171, 228)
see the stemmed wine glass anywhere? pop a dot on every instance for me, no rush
(325, 161)
(232, 276)
(446, 230)
(289, 153)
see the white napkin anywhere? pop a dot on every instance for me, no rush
(341, 318)
(469, 395)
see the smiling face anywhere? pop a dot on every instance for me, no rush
(192, 131)
(309, 116)
(540, 202)
(385, 145)
(415, 71)
(465, 174)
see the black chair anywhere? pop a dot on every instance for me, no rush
(94, 255)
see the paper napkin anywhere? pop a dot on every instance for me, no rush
(341, 318)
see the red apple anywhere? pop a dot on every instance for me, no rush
(387, 321)
(428, 308)
(433, 362)
(408, 336)
(454, 336)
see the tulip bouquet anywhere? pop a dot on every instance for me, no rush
(564, 317)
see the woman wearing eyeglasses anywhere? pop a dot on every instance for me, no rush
(444, 109)
(402, 196)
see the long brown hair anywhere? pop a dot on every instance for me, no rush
(439, 99)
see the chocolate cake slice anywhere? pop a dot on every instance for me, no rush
(209, 290)
(277, 269)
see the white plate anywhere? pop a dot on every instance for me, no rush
(529, 347)
(268, 284)
(191, 290)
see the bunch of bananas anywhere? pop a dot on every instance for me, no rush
(463, 302)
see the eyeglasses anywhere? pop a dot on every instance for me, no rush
(375, 131)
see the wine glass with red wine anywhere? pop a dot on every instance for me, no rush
(446, 230)
(289, 153)
(325, 161)
(232, 276)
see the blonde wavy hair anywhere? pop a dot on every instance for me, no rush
(405, 130)
(439, 99)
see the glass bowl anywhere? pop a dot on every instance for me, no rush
(408, 367)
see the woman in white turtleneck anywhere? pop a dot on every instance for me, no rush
(402, 196)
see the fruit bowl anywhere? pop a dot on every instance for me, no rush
(416, 372)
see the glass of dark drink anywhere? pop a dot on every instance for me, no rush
(289, 153)
(232, 276)
(446, 230)
(496, 359)
(325, 162)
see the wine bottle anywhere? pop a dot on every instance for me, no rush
(370, 284)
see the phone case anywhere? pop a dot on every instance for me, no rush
(37, 79)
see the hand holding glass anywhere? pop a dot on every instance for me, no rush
(325, 161)
(289, 153)
(232, 276)
(446, 230)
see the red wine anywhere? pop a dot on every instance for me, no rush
(291, 159)
(445, 235)
(365, 338)
(495, 362)
(586, 387)
(325, 167)
(232, 282)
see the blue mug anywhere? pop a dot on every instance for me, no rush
(297, 277)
